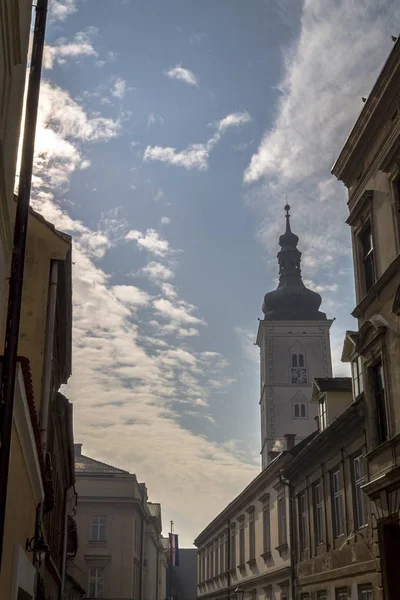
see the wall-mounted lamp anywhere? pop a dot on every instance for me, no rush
(38, 546)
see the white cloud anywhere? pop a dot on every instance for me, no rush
(233, 120)
(59, 10)
(177, 314)
(62, 49)
(195, 156)
(182, 74)
(119, 88)
(157, 272)
(131, 295)
(149, 241)
(165, 221)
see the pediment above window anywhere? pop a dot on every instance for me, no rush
(370, 333)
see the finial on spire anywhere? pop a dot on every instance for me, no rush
(287, 208)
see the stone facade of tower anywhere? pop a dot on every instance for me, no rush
(294, 347)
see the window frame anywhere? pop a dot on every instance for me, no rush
(302, 509)
(379, 395)
(266, 527)
(365, 587)
(359, 497)
(318, 510)
(367, 257)
(357, 378)
(322, 413)
(338, 517)
(96, 579)
(98, 527)
(282, 528)
(233, 547)
(252, 535)
(341, 593)
(242, 543)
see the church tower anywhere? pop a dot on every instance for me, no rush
(294, 347)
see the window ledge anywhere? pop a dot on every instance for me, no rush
(252, 562)
(242, 566)
(97, 543)
(370, 296)
(266, 555)
(232, 571)
(282, 548)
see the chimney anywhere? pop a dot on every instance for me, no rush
(78, 449)
(290, 440)
(273, 454)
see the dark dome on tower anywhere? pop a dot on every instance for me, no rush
(291, 301)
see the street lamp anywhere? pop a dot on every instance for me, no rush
(239, 593)
(38, 546)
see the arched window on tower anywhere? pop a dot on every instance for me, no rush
(303, 410)
(301, 360)
(296, 411)
(294, 360)
(299, 406)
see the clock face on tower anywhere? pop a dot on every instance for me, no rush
(299, 375)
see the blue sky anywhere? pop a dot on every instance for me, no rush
(170, 134)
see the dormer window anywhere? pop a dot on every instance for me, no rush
(357, 376)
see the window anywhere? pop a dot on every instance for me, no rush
(359, 496)
(252, 536)
(318, 513)
(233, 548)
(299, 411)
(241, 544)
(322, 414)
(356, 370)
(282, 539)
(216, 571)
(379, 392)
(367, 249)
(341, 594)
(337, 497)
(221, 555)
(266, 528)
(303, 517)
(96, 582)
(212, 561)
(322, 595)
(365, 592)
(301, 360)
(226, 553)
(268, 592)
(294, 360)
(98, 529)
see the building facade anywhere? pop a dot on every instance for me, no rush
(41, 470)
(184, 577)
(15, 19)
(248, 544)
(294, 347)
(333, 534)
(121, 553)
(369, 166)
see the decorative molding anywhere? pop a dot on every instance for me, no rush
(23, 424)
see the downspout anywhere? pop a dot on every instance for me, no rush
(291, 535)
(228, 558)
(18, 259)
(48, 355)
(142, 557)
(65, 542)
(157, 569)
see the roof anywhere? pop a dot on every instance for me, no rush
(85, 464)
(333, 384)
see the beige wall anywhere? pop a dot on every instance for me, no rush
(269, 570)
(15, 16)
(117, 497)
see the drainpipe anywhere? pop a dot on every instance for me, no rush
(228, 558)
(18, 258)
(291, 534)
(65, 541)
(157, 568)
(48, 355)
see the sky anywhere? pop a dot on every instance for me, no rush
(170, 136)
